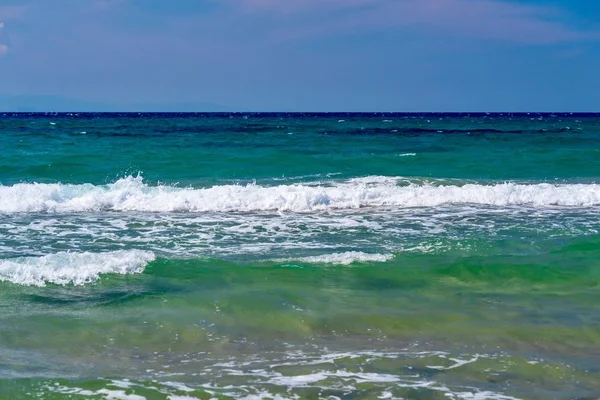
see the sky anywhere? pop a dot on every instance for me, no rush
(300, 55)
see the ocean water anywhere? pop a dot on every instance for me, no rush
(299, 256)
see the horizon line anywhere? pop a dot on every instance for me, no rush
(298, 112)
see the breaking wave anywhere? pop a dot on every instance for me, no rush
(132, 194)
(347, 258)
(65, 268)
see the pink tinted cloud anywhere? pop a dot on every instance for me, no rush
(12, 12)
(299, 6)
(491, 19)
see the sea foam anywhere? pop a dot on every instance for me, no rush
(132, 194)
(72, 268)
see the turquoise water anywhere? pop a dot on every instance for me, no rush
(276, 256)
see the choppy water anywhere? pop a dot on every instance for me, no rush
(276, 256)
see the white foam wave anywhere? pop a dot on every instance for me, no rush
(132, 194)
(72, 268)
(308, 380)
(346, 258)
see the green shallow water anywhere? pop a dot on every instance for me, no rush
(527, 326)
(288, 256)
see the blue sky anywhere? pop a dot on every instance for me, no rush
(302, 55)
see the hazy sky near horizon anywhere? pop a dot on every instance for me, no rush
(307, 55)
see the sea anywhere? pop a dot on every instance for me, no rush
(299, 256)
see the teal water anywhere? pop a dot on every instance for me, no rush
(276, 256)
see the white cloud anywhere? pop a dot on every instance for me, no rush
(3, 47)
